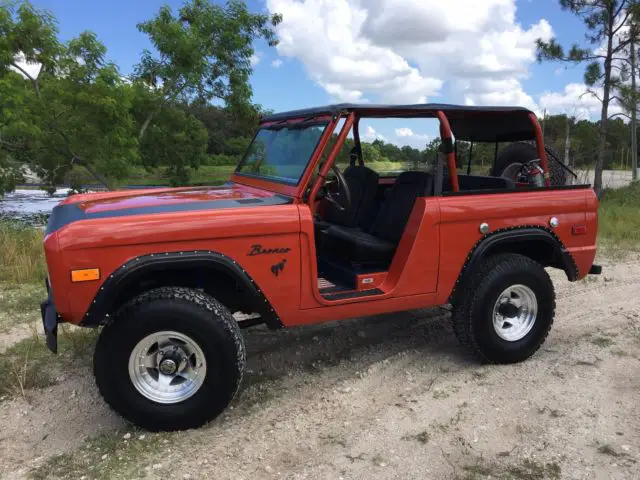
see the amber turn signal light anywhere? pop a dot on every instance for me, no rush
(86, 275)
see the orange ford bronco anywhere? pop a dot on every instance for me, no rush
(293, 239)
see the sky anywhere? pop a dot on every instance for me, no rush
(475, 52)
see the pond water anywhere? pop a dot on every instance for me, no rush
(31, 206)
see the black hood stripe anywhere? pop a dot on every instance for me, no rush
(65, 214)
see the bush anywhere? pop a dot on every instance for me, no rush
(220, 160)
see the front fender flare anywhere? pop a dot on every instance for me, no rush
(127, 274)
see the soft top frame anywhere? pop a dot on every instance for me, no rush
(468, 123)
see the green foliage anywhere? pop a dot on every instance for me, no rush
(74, 110)
(604, 20)
(203, 53)
(175, 140)
(583, 148)
(78, 110)
(228, 128)
(619, 219)
(10, 173)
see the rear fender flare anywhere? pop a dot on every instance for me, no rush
(139, 267)
(501, 240)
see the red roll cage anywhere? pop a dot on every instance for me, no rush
(468, 123)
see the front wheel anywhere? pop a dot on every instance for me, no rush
(172, 360)
(506, 309)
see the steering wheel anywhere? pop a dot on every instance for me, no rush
(343, 189)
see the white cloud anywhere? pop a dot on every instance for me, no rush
(255, 59)
(32, 69)
(370, 135)
(404, 132)
(277, 63)
(405, 51)
(406, 136)
(485, 91)
(577, 101)
(326, 36)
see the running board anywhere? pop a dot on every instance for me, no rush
(353, 294)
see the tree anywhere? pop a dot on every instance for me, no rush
(629, 94)
(370, 153)
(604, 20)
(633, 100)
(75, 110)
(203, 54)
(178, 142)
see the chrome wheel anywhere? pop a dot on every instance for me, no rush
(167, 367)
(514, 313)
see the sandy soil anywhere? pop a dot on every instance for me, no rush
(390, 397)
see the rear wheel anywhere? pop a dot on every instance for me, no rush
(173, 359)
(506, 309)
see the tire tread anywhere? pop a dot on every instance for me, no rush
(494, 266)
(126, 313)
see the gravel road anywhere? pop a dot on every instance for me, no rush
(389, 397)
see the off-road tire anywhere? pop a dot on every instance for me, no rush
(185, 311)
(522, 152)
(472, 315)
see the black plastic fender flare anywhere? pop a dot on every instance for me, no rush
(133, 270)
(514, 235)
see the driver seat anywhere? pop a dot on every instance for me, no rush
(377, 244)
(363, 186)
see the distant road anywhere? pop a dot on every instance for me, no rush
(610, 178)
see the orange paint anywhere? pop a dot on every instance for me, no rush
(438, 237)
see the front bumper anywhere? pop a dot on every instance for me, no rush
(50, 321)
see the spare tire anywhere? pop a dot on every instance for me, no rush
(511, 158)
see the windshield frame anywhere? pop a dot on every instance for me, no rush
(304, 123)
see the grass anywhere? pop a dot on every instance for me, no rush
(114, 454)
(602, 341)
(422, 437)
(21, 254)
(204, 175)
(527, 469)
(607, 449)
(619, 217)
(28, 364)
(19, 303)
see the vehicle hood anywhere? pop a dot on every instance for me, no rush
(159, 200)
(141, 198)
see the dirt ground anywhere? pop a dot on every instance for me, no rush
(388, 397)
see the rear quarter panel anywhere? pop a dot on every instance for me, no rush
(462, 215)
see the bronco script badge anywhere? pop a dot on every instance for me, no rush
(260, 250)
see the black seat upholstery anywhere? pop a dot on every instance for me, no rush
(363, 184)
(478, 182)
(379, 242)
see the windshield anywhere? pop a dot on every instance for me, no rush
(281, 153)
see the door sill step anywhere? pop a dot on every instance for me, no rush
(352, 294)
